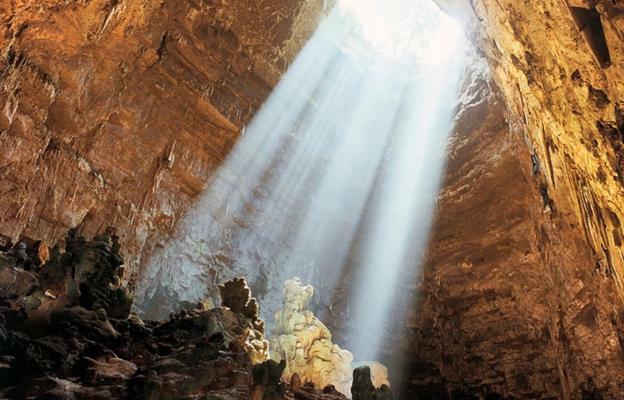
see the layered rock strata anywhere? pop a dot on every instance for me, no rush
(120, 111)
(513, 301)
(553, 283)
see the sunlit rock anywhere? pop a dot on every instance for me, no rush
(305, 343)
(122, 112)
(61, 350)
(236, 295)
(145, 183)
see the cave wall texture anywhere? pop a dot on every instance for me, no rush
(524, 298)
(117, 112)
(510, 301)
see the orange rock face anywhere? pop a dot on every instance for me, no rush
(510, 300)
(116, 112)
(523, 296)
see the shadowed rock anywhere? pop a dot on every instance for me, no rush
(68, 337)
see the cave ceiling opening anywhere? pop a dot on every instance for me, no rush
(335, 177)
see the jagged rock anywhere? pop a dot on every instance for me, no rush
(55, 349)
(87, 274)
(15, 282)
(363, 388)
(96, 273)
(378, 371)
(21, 256)
(534, 48)
(304, 342)
(81, 176)
(94, 325)
(236, 295)
(108, 369)
(267, 378)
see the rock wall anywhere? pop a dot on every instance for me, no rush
(117, 112)
(567, 99)
(493, 309)
(523, 297)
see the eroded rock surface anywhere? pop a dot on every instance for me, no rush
(60, 340)
(521, 298)
(120, 111)
(363, 388)
(305, 343)
(513, 301)
(532, 309)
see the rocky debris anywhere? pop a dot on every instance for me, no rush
(268, 380)
(363, 388)
(236, 295)
(378, 371)
(96, 271)
(87, 274)
(64, 335)
(108, 368)
(501, 296)
(15, 281)
(305, 343)
(268, 385)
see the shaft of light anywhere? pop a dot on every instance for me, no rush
(347, 149)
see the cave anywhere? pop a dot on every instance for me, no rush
(312, 199)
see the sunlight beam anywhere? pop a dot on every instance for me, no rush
(346, 153)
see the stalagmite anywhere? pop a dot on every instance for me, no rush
(461, 222)
(305, 343)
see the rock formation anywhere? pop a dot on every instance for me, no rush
(363, 388)
(88, 274)
(378, 372)
(81, 343)
(119, 112)
(523, 298)
(66, 332)
(305, 343)
(236, 296)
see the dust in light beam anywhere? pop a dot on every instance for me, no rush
(339, 169)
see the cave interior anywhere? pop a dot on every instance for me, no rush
(312, 199)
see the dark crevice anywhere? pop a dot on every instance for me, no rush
(589, 23)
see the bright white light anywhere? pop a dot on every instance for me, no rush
(415, 32)
(345, 154)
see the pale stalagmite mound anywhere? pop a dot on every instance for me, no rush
(306, 344)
